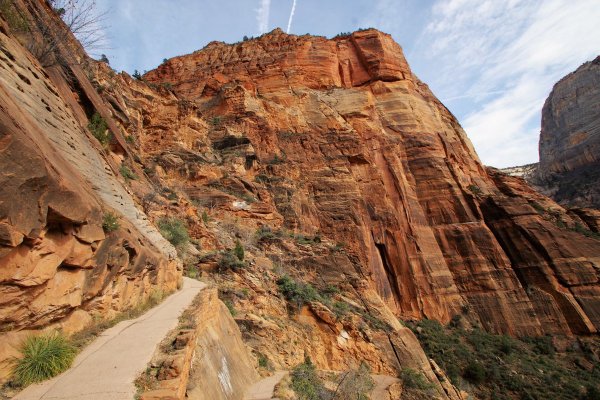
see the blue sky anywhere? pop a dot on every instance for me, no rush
(491, 62)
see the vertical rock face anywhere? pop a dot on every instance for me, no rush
(342, 139)
(59, 269)
(570, 138)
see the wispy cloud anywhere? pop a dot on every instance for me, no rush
(289, 25)
(515, 51)
(262, 16)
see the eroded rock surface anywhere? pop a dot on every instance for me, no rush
(342, 139)
(59, 269)
(570, 139)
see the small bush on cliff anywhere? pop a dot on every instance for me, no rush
(239, 250)
(15, 20)
(99, 128)
(413, 380)
(297, 293)
(230, 261)
(127, 173)
(110, 222)
(306, 383)
(355, 384)
(174, 230)
(42, 358)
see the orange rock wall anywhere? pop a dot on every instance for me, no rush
(59, 269)
(357, 148)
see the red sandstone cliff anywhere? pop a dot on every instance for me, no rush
(59, 269)
(368, 184)
(349, 143)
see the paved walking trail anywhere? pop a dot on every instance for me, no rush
(107, 368)
(263, 389)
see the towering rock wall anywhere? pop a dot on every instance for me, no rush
(59, 269)
(570, 138)
(341, 138)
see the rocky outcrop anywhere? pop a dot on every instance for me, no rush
(205, 358)
(59, 269)
(342, 139)
(570, 139)
(334, 166)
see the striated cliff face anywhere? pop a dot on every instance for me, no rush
(570, 138)
(59, 269)
(339, 137)
(328, 160)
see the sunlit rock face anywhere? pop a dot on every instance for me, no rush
(347, 142)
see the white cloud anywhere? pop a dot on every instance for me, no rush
(262, 16)
(507, 55)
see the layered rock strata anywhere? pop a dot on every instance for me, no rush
(570, 139)
(59, 269)
(339, 137)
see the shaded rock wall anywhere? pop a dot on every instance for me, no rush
(341, 138)
(58, 267)
(569, 168)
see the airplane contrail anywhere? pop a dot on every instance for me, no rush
(262, 16)
(291, 17)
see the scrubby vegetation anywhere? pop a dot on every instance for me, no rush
(230, 261)
(239, 250)
(306, 383)
(355, 384)
(297, 293)
(42, 357)
(99, 129)
(175, 231)
(12, 16)
(110, 222)
(127, 173)
(415, 383)
(499, 367)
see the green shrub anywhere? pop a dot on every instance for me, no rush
(340, 308)
(542, 344)
(330, 290)
(277, 160)
(174, 230)
(230, 261)
(263, 361)
(99, 129)
(130, 139)
(239, 250)
(42, 357)
(474, 373)
(356, 384)
(297, 293)
(110, 222)
(413, 379)
(230, 307)
(205, 218)
(303, 239)
(475, 189)
(306, 383)
(215, 121)
(13, 17)
(266, 234)
(127, 173)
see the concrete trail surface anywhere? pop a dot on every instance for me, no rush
(107, 368)
(263, 389)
